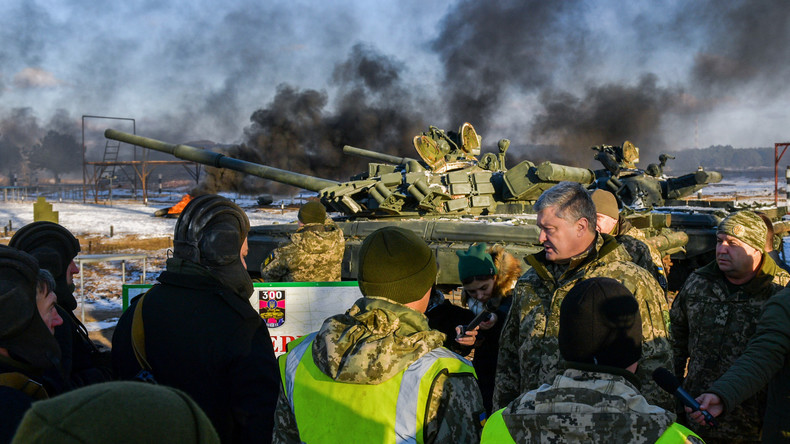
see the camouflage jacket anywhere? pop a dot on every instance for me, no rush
(712, 321)
(765, 361)
(313, 255)
(375, 340)
(588, 404)
(529, 352)
(642, 254)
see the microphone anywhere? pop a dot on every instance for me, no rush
(667, 381)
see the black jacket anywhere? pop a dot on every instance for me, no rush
(202, 338)
(13, 401)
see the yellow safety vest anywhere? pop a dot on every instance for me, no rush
(496, 432)
(393, 412)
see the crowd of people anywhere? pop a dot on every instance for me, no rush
(563, 352)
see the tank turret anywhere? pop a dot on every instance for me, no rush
(637, 188)
(403, 186)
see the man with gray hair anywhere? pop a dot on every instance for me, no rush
(573, 251)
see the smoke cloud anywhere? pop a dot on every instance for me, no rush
(288, 86)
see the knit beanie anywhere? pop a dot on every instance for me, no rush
(396, 264)
(54, 247)
(605, 203)
(113, 412)
(312, 213)
(475, 262)
(600, 324)
(747, 227)
(22, 331)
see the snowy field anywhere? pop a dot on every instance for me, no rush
(129, 220)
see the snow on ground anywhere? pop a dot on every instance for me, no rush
(125, 218)
(102, 285)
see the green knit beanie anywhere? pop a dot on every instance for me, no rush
(113, 412)
(747, 227)
(475, 262)
(605, 203)
(312, 213)
(396, 264)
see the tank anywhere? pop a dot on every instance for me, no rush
(452, 199)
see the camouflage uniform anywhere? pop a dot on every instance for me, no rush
(587, 405)
(642, 253)
(313, 255)
(529, 352)
(712, 321)
(375, 340)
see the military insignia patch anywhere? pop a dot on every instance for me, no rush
(738, 230)
(272, 307)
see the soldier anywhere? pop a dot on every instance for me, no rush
(196, 331)
(766, 361)
(378, 373)
(27, 347)
(610, 221)
(55, 248)
(715, 314)
(314, 254)
(600, 337)
(573, 250)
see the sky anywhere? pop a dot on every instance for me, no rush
(290, 82)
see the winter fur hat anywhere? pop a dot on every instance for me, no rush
(54, 247)
(475, 262)
(605, 203)
(396, 264)
(600, 324)
(312, 213)
(112, 412)
(747, 227)
(22, 331)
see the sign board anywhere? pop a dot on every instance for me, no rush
(289, 309)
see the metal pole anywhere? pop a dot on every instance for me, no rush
(787, 186)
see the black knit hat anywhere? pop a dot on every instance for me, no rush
(396, 264)
(600, 324)
(312, 213)
(22, 331)
(54, 247)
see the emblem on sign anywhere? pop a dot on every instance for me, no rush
(272, 307)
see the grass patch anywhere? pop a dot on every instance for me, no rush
(103, 244)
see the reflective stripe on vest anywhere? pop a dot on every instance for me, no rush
(495, 431)
(292, 360)
(390, 412)
(676, 433)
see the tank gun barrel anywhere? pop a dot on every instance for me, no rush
(669, 242)
(381, 157)
(218, 160)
